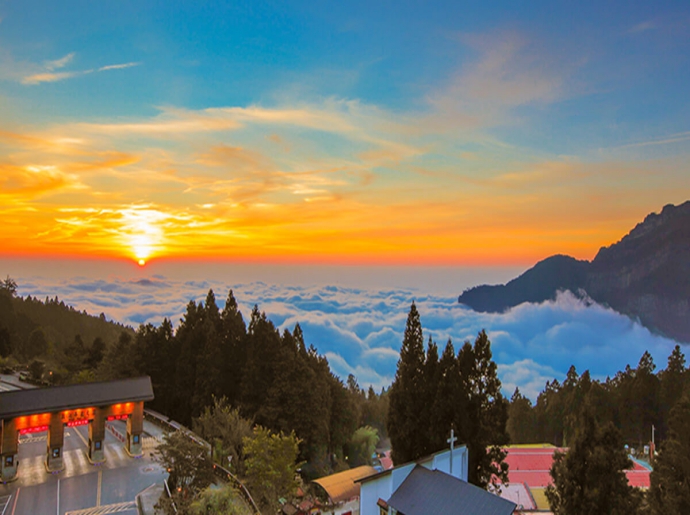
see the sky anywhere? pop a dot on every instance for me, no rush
(425, 133)
(372, 146)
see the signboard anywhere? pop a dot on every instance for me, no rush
(77, 415)
(36, 429)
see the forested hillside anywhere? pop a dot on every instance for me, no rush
(634, 400)
(31, 328)
(275, 379)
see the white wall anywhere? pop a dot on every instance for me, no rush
(383, 486)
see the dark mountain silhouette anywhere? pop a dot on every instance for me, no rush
(646, 276)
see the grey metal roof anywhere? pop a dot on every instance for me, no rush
(427, 492)
(58, 398)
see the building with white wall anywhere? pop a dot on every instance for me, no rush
(376, 490)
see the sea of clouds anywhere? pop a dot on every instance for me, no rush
(360, 329)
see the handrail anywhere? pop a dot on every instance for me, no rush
(224, 474)
(167, 489)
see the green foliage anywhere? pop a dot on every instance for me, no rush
(633, 400)
(219, 501)
(669, 493)
(223, 425)
(482, 425)
(95, 353)
(521, 424)
(8, 286)
(273, 379)
(362, 446)
(5, 342)
(121, 360)
(271, 466)
(406, 427)
(189, 467)
(36, 370)
(590, 477)
(36, 345)
(431, 395)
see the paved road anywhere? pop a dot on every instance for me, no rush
(82, 488)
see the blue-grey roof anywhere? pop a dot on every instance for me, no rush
(427, 491)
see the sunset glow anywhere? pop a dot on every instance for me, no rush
(494, 151)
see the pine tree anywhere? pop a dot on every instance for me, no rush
(482, 425)
(448, 400)
(669, 493)
(521, 421)
(234, 333)
(405, 424)
(434, 438)
(590, 476)
(671, 386)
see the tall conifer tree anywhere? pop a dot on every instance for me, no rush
(405, 424)
(670, 489)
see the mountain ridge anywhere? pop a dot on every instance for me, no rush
(645, 275)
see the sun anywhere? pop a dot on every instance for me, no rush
(142, 233)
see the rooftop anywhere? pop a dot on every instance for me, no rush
(432, 491)
(58, 398)
(342, 486)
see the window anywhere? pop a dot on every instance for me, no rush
(97, 445)
(135, 438)
(9, 460)
(56, 452)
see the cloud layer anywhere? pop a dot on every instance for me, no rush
(360, 330)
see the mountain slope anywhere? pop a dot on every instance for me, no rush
(645, 275)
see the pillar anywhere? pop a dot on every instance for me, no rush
(56, 439)
(135, 428)
(97, 436)
(9, 443)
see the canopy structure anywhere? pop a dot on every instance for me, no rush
(342, 486)
(45, 400)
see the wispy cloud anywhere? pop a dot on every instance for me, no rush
(59, 63)
(39, 78)
(664, 140)
(48, 73)
(117, 66)
(511, 70)
(643, 27)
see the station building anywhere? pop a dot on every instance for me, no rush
(51, 409)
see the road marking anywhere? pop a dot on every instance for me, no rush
(105, 510)
(98, 491)
(16, 496)
(82, 438)
(5, 500)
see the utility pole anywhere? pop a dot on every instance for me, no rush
(451, 441)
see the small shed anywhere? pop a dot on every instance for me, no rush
(342, 487)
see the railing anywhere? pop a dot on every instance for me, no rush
(220, 471)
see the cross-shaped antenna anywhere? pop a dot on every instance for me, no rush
(451, 441)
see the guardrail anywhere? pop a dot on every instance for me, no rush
(220, 471)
